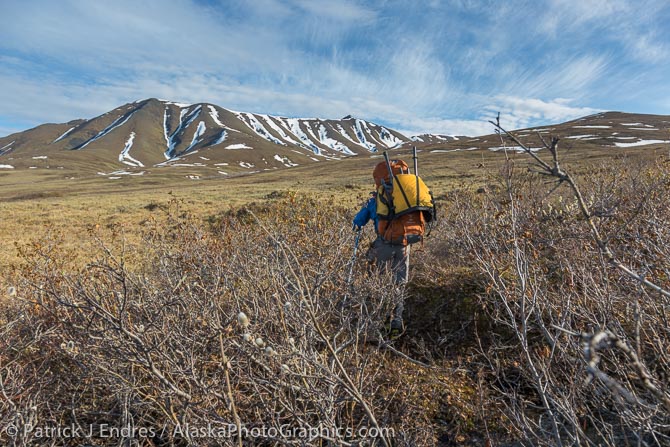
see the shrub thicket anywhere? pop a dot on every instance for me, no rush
(520, 331)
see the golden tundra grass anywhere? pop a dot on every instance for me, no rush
(33, 203)
(37, 203)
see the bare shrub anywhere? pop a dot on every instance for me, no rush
(523, 327)
(162, 346)
(577, 289)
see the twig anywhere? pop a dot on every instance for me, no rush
(562, 176)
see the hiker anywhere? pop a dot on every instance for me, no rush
(383, 255)
(400, 208)
(381, 252)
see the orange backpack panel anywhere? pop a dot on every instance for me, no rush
(381, 171)
(403, 230)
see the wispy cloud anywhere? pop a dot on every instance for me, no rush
(446, 64)
(516, 112)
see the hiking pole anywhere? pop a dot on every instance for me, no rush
(351, 267)
(353, 258)
(416, 171)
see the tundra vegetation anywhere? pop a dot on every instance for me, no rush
(537, 315)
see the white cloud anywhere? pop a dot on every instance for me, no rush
(441, 126)
(443, 63)
(518, 113)
(562, 16)
(638, 26)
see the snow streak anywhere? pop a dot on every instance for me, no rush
(186, 117)
(221, 138)
(294, 125)
(361, 137)
(279, 130)
(6, 148)
(285, 161)
(331, 143)
(641, 143)
(215, 115)
(388, 138)
(120, 121)
(124, 156)
(64, 135)
(196, 136)
(238, 146)
(257, 127)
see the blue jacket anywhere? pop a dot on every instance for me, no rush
(368, 212)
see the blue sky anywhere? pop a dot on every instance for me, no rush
(439, 66)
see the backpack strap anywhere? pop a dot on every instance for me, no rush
(387, 198)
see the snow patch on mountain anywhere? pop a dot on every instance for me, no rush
(120, 121)
(238, 146)
(221, 138)
(64, 135)
(579, 137)
(388, 138)
(640, 143)
(279, 130)
(165, 129)
(215, 115)
(331, 143)
(361, 137)
(186, 117)
(196, 136)
(514, 149)
(178, 104)
(285, 161)
(592, 127)
(6, 148)
(294, 125)
(6, 167)
(116, 174)
(347, 137)
(371, 135)
(124, 156)
(252, 122)
(637, 124)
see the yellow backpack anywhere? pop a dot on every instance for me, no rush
(404, 206)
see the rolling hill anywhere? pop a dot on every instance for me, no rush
(152, 136)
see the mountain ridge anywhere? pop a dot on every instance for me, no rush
(151, 134)
(158, 133)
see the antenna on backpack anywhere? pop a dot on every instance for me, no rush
(416, 161)
(416, 171)
(388, 165)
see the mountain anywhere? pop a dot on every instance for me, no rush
(599, 131)
(207, 140)
(155, 134)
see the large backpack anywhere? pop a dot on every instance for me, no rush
(405, 205)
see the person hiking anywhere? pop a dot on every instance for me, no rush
(399, 208)
(383, 256)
